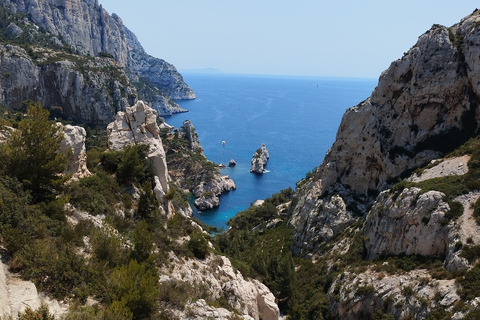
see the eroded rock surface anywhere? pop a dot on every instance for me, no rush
(248, 297)
(138, 125)
(425, 104)
(259, 160)
(74, 142)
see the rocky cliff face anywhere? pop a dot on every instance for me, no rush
(84, 89)
(248, 297)
(84, 27)
(425, 104)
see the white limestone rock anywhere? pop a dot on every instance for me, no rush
(16, 295)
(410, 223)
(138, 125)
(415, 291)
(74, 142)
(422, 102)
(206, 193)
(249, 298)
(89, 29)
(259, 160)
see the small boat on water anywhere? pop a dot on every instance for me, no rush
(223, 142)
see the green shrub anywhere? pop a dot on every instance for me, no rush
(365, 290)
(470, 283)
(142, 240)
(134, 286)
(198, 245)
(42, 313)
(53, 266)
(108, 248)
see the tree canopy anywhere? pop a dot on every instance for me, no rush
(32, 153)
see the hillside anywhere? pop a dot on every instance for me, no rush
(99, 222)
(50, 58)
(387, 226)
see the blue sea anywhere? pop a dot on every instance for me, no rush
(296, 117)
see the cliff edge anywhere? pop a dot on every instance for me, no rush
(425, 104)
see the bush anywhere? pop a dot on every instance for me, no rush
(142, 240)
(198, 245)
(42, 313)
(53, 266)
(134, 286)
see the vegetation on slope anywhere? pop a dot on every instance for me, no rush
(110, 258)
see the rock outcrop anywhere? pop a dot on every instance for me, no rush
(370, 291)
(87, 28)
(425, 104)
(16, 295)
(138, 125)
(232, 163)
(248, 297)
(259, 160)
(74, 142)
(408, 223)
(84, 89)
(191, 135)
(87, 89)
(206, 193)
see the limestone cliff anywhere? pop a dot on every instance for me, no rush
(83, 27)
(88, 28)
(425, 104)
(78, 88)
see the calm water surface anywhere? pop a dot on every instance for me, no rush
(297, 118)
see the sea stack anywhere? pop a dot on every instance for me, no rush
(259, 160)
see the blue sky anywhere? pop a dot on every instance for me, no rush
(346, 38)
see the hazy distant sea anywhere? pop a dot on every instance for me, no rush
(296, 117)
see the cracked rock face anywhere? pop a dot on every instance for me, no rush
(88, 28)
(74, 142)
(82, 96)
(410, 223)
(248, 297)
(425, 104)
(138, 125)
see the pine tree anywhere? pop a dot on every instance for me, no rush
(32, 153)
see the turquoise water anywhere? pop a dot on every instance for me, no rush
(297, 119)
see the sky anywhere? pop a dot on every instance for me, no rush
(342, 38)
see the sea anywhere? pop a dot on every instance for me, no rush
(295, 117)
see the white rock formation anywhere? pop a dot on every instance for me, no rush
(207, 193)
(16, 295)
(74, 142)
(259, 160)
(410, 223)
(249, 298)
(138, 125)
(448, 167)
(425, 104)
(415, 291)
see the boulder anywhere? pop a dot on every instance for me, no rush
(232, 163)
(74, 142)
(13, 31)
